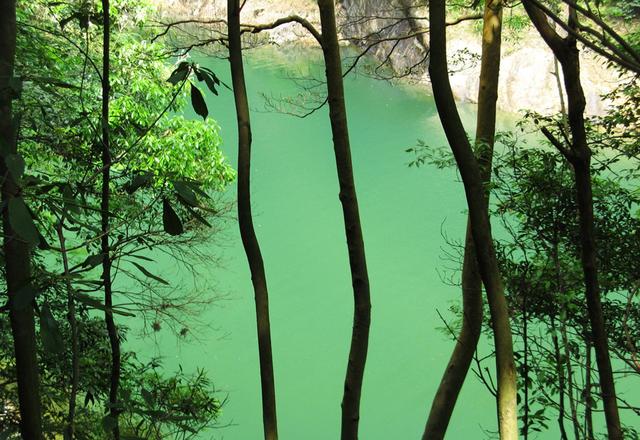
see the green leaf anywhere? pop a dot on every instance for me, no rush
(21, 221)
(170, 220)
(185, 193)
(197, 101)
(49, 331)
(15, 165)
(24, 296)
(149, 274)
(138, 181)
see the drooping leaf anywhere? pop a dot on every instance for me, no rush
(170, 220)
(149, 274)
(211, 82)
(180, 73)
(185, 193)
(21, 221)
(24, 296)
(138, 181)
(15, 165)
(49, 331)
(197, 101)
(195, 186)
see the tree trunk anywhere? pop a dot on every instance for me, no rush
(245, 220)
(588, 412)
(112, 330)
(579, 155)
(353, 230)
(16, 251)
(470, 172)
(73, 326)
(460, 361)
(561, 378)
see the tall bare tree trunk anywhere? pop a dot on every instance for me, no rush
(460, 361)
(353, 229)
(578, 154)
(247, 232)
(470, 172)
(16, 250)
(112, 330)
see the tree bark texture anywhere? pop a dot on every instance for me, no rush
(247, 232)
(17, 252)
(470, 172)
(353, 229)
(447, 394)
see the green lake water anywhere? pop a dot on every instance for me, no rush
(406, 215)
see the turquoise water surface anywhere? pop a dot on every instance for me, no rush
(406, 215)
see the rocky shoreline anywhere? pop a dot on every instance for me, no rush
(527, 79)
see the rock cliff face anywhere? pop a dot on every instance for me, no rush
(527, 78)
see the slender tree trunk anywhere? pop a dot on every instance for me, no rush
(112, 330)
(570, 385)
(554, 334)
(247, 232)
(579, 155)
(353, 229)
(73, 325)
(566, 365)
(588, 413)
(561, 378)
(470, 172)
(525, 349)
(16, 251)
(460, 361)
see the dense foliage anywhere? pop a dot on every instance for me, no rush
(165, 171)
